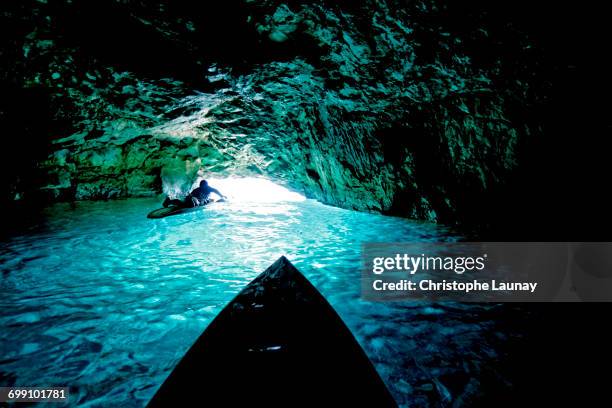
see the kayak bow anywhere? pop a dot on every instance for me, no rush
(278, 343)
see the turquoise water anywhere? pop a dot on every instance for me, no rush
(106, 301)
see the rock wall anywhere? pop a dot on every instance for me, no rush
(417, 108)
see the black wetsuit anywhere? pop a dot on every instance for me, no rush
(202, 194)
(199, 196)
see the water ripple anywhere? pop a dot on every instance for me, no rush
(106, 301)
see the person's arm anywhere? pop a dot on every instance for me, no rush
(217, 192)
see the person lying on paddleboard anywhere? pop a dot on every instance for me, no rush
(199, 196)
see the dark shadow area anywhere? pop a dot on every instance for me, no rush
(564, 359)
(557, 190)
(557, 193)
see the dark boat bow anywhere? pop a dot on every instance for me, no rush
(278, 343)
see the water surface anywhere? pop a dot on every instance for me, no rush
(106, 301)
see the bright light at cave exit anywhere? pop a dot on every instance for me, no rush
(253, 189)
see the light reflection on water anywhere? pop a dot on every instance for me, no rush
(106, 301)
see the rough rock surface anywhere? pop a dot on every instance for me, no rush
(411, 108)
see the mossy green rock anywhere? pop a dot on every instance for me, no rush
(376, 106)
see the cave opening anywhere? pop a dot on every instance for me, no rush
(253, 189)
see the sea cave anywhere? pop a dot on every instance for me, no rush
(323, 125)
